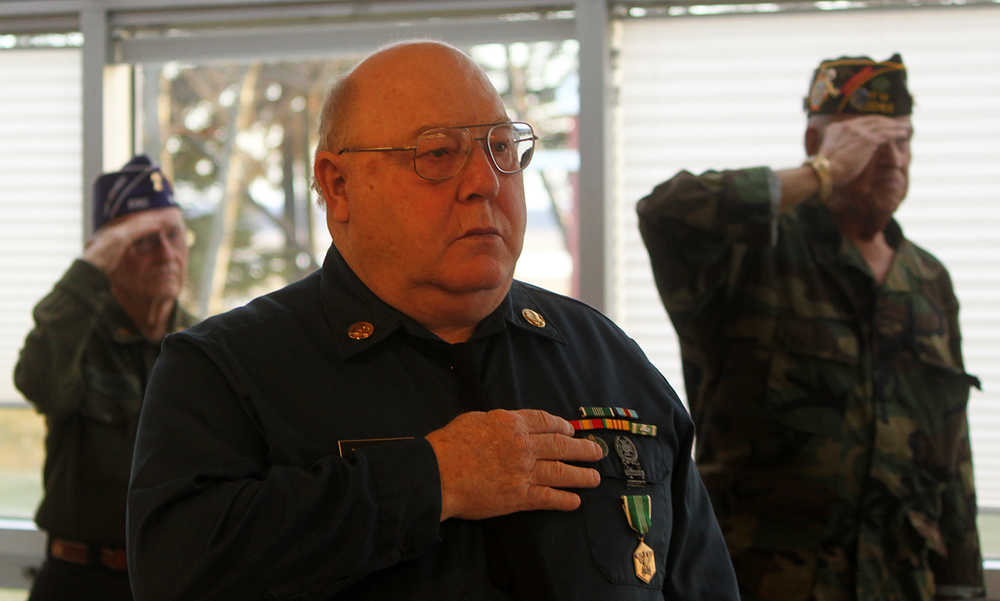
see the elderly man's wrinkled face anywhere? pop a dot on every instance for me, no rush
(154, 266)
(404, 234)
(878, 191)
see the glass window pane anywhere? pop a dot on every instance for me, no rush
(989, 532)
(538, 83)
(22, 452)
(236, 141)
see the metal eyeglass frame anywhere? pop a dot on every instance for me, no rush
(489, 151)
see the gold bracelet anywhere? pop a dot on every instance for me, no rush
(821, 166)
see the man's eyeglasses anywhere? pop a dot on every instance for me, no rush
(441, 152)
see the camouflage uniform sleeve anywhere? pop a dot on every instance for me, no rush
(958, 574)
(49, 371)
(697, 230)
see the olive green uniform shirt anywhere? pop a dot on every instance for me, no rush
(830, 410)
(84, 366)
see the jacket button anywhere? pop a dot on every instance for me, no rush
(360, 330)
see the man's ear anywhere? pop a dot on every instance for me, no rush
(813, 140)
(332, 182)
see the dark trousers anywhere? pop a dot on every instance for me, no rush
(63, 581)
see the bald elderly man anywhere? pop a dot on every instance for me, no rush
(409, 422)
(85, 365)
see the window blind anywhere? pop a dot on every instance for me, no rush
(40, 188)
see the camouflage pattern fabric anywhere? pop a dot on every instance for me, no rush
(84, 366)
(830, 410)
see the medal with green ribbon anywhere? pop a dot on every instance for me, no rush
(639, 513)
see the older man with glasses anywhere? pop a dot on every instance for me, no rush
(85, 366)
(409, 422)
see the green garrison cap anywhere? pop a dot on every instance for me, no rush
(857, 85)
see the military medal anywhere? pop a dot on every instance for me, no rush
(639, 513)
(635, 476)
(599, 442)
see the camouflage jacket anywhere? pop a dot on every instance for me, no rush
(84, 366)
(830, 410)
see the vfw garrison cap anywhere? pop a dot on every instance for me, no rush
(138, 186)
(857, 85)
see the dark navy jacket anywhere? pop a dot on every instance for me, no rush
(280, 458)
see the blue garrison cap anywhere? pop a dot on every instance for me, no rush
(138, 186)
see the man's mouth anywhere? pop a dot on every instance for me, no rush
(481, 231)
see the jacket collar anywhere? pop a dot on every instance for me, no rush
(830, 247)
(124, 331)
(360, 320)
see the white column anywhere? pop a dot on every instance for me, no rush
(595, 191)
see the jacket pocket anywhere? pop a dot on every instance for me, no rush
(931, 386)
(943, 377)
(612, 541)
(111, 398)
(814, 368)
(109, 416)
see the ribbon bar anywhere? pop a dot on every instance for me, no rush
(614, 424)
(608, 412)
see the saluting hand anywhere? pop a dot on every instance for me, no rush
(106, 249)
(507, 461)
(849, 145)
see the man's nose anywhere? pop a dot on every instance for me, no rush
(892, 154)
(162, 246)
(481, 177)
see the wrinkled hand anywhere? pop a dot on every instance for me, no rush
(106, 249)
(506, 461)
(850, 144)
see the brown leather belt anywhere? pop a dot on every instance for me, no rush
(85, 555)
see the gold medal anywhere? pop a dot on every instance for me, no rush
(639, 512)
(645, 562)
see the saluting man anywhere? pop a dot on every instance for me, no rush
(85, 366)
(822, 358)
(409, 422)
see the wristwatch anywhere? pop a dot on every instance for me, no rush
(821, 165)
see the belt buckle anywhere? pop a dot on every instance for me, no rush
(114, 559)
(87, 555)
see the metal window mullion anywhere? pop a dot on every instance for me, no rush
(93, 25)
(594, 189)
(256, 44)
(174, 15)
